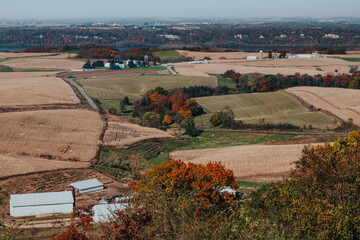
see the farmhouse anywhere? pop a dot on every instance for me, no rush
(105, 212)
(120, 65)
(86, 186)
(31, 204)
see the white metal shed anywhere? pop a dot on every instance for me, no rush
(90, 185)
(105, 212)
(22, 205)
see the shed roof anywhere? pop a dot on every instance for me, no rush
(35, 199)
(86, 184)
(104, 212)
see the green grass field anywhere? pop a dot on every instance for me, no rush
(273, 107)
(166, 55)
(352, 59)
(133, 86)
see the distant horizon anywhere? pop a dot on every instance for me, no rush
(228, 9)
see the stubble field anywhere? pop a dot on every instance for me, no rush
(344, 103)
(19, 89)
(52, 134)
(260, 163)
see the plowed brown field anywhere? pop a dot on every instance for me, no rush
(59, 62)
(343, 103)
(125, 134)
(18, 90)
(53, 134)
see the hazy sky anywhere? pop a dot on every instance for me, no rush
(44, 9)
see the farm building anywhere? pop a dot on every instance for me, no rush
(104, 212)
(313, 55)
(251, 58)
(86, 186)
(22, 205)
(120, 65)
(200, 62)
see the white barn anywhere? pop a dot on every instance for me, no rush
(23, 205)
(86, 186)
(251, 58)
(105, 212)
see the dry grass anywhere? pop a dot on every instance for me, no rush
(57, 134)
(237, 61)
(18, 89)
(124, 134)
(258, 162)
(344, 103)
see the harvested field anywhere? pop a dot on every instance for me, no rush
(124, 134)
(60, 62)
(20, 164)
(253, 161)
(106, 73)
(134, 86)
(273, 107)
(52, 134)
(20, 90)
(23, 55)
(237, 61)
(343, 103)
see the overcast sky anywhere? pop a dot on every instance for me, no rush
(61, 9)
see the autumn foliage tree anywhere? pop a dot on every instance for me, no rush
(180, 194)
(321, 200)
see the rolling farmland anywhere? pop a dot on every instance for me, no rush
(344, 103)
(253, 162)
(273, 107)
(134, 86)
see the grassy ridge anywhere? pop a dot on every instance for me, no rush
(166, 55)
(273, 107)
(133, 86)
(352, 59)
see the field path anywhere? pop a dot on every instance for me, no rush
(84, 94)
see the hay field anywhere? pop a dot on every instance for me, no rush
(19, 89)
(274, 107)
(134, 86)
(53, 134)
(344, 103)
(19, 164)
(237, 61)
(253, 162)
(59, 62)
(124, 134)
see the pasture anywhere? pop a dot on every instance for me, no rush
(166, 55)
(134, 86)
(343, 103)
(274, 108)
